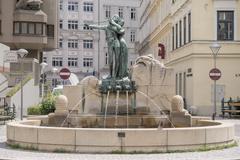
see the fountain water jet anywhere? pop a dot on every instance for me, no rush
(75, 108)
(127, 107)
(116, 110)
(105, 115)
(156, 106)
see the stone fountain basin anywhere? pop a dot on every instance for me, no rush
(29, 134)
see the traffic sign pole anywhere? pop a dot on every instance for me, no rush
(215, 74)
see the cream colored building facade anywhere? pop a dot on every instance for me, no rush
(31, 25)
(29, 28)
(187, 28)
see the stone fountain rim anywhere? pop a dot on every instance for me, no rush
(218, 124)
(28, 134)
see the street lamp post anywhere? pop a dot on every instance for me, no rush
(98, 67)
(43, 66)
(215, 47)
(54, 71)
(22, 53)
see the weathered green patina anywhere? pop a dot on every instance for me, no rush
(122, 85)
(118, 79)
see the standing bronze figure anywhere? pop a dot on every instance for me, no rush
(117, 48)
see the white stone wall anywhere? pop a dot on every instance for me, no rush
(30, 97)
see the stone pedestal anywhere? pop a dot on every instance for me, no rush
(61, 105)
(57, 120)
(142, 110)
(61, 112)
(179, 116)
(149, 89)
(181, 119)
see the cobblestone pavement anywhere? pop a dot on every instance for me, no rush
(7, 153)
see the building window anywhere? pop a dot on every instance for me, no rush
(184, 84)
(88, 7)
(40, 29)
(87, 28)
(44, 59)
(17, 28)
(180, 84)
(107, 11)
(185, 30)
(87, 62)
(189, 27)
(106, 59)
(176, 41)
(60, 43)
(72, 62)
(54, 82)
(176, 84)
(120, 12)
(0, 27)
(225, 26)
(73, 6)
(50, 30)
(24, 28)
(133, 36)
(173, 30)
(180, 33)
(88, 44)
(61, 24)
(72, 43)
(29, 28)
(57, 61)
(61, 5)
(72, 24)
(133, 13)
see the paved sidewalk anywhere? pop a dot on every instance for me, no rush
(7, 153)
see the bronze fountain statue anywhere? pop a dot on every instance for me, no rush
(118, 79)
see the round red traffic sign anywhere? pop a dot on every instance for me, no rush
(215, 74)
(64, 73)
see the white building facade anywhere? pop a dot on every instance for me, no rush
(187, 29)
(83, 50)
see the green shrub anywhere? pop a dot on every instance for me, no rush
(45, 107)
(18, 146)
(48, 105)
(34, 110)
(60, 150)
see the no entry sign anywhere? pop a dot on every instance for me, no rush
(64, 73)
(215, 74)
